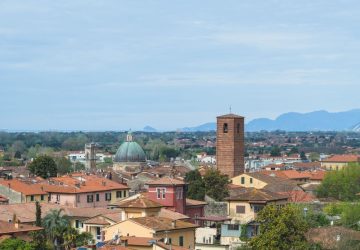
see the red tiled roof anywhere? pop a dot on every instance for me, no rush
(318, 175)
(140, 202)
(257, 195)
(22, 187)
(288, 174)
(299, 196)
(343, 158)
(80, 183)
(191, 202)
(9, 228)
(167, 181)
(167, 213)
(162, 224)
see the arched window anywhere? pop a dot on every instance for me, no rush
(225, 128)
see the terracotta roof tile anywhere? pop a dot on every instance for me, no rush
(167, 213)
(299, 196)
(167, 181)
(343, 158)
(257, 195)
(80, 183)
(22, 187)
(140, 202)
(191, 202)
(8, 228)
(161, 223)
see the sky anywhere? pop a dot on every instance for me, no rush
(118, 65)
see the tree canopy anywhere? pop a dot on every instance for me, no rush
(43, 166)
(342, 185)
(196, 188)
(216, 185)
(282, 228)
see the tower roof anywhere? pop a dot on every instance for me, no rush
(230, 116)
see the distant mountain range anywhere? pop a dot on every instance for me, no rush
(313, 121)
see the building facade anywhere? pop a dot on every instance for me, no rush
(230, 144)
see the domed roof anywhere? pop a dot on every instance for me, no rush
(130, 151)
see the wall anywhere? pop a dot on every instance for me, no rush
(170, 198)
(230, 146)
(210, 247)
(12, 195)
(188, 234)
(334, 165)
(36, 198)
(70, 199)
(127, 228)
(255, 182)
(205, 235)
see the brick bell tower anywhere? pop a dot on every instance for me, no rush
(230, 145)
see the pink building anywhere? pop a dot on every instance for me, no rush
(81, 190)
(171, 193)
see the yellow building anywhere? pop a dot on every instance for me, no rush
(338, 162)
(178, 233)
(262, 181)
(243, 207)
(18, 191)
(137, 207)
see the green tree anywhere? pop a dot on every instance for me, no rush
(314, 156)
(38, 214)
(196, 187)
(43, 166)
(63, 165)
(216, 185)
(303, 156)
(342, 185)
(16, 244)
(275, 151)
(282, 228)
(79, 166)
(55, 225)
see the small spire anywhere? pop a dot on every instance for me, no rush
(129, 136)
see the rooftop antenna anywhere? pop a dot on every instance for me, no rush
(230, 109)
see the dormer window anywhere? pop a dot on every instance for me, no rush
(225, 128)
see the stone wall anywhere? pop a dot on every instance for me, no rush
(13, 196)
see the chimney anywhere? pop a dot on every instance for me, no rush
(173, 224)
(104, 183)
(16, 224)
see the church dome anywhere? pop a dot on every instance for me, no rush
(130, 151)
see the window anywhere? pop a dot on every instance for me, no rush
(233, 227)
(97, 197)
(90, 198)
(242, 180)
(238, 128)
(78, 198)
(251, 180)
(58, 197)
(124, 193)
(32, 197)
(225, 128)
(118, 194)
(42, 197)
(108, 196)
(240, 209)
(160, 193)
(181, 241)
(77, 224)
(257, 208)
(179, 193)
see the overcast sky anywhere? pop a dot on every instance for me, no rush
(115, 65)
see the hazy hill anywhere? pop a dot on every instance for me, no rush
(313, 121)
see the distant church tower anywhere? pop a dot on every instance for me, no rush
(90, 156)
(230, 145)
